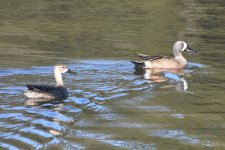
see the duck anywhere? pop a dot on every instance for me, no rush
(165, 62)
(50, 92)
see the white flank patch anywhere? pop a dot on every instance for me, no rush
(148, 64)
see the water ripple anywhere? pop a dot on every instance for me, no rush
(32, 130)
(10, 126)
(51, 114)
(18, 137)
(104, 96)
(45, 123)
(8, 146)
(179, 135)
(117, 143)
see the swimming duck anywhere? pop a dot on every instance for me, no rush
(178, 62)
(50, 92)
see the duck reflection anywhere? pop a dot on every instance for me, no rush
(44, 102)
(49, 108)
(162, 75)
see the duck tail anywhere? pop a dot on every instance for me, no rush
(137, 63)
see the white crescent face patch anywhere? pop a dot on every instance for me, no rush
(185, 46)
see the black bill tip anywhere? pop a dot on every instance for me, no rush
(69, 71)
(190, 50)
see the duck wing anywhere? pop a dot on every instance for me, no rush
(41, 88)
(142, 58)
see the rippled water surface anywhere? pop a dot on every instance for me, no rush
(112, 105)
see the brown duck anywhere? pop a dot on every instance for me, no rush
(178, 62)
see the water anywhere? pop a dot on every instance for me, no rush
(112, 106)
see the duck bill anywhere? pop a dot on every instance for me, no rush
(69, 71)
(190, 50)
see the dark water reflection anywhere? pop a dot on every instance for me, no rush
(112, 105)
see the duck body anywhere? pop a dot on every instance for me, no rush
(159, 62)
(164, 62)
(50, 92)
